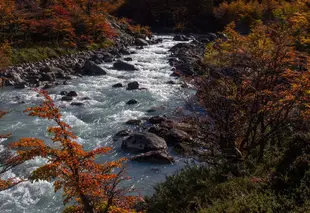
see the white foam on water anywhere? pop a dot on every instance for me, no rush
(95, 122)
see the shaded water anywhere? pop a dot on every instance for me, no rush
(94, 123)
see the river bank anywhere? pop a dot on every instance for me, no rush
(97, 119)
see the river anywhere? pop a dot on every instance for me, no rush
(94, 123)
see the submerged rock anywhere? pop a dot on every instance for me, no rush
(133, 122)
(144, 142)
(128, 59)
(77, 104)
(63, 93)
(170, 82)
(118, 85)
(133, 85)
(131, 102)
(67, 98)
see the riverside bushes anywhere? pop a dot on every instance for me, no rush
(280, 186)
(30, 27)
(256, 92)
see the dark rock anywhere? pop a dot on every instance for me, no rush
(21, 85)
(67, 98)
(203, 39)
(151, 110)
(48, 86)
(172, 136)
(77, 104)
(133, 85)
(131, 102)
(133, 122)
(176, 136)
(159, 131)
(90, 68)
(50, 69)
(157, 119)
(144, 142)
(72, 94)
(157, 156)
(180, 38)
(85, 98)
(122, 65)
(47, 77)
(170, 82)
(123, 133)
(212, 36)
(184, 85)
(108, 60)
(157, 41)
(141, 42)
(118, 85)
(106, 55)
(63, 93)
(128, 59)
(124, 52)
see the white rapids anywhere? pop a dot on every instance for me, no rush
(94, 123)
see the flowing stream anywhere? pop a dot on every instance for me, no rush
(94, 123)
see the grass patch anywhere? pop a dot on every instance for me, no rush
(39, 53)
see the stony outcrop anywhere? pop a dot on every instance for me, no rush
(144, 142)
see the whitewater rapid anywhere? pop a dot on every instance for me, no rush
(95, 123)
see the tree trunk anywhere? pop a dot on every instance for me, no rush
(86, 204)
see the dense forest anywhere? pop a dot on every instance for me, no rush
(253, 82)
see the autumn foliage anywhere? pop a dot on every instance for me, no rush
(57, 22)
(257, 91)
(89, 186)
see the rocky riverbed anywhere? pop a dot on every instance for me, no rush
(126, 97)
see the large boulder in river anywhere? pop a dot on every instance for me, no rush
(172, 136)
(122, 65)
(158, 156)
(72, 94)
(133, 85)
(90, 68)
(141, 42)
(144, 142)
